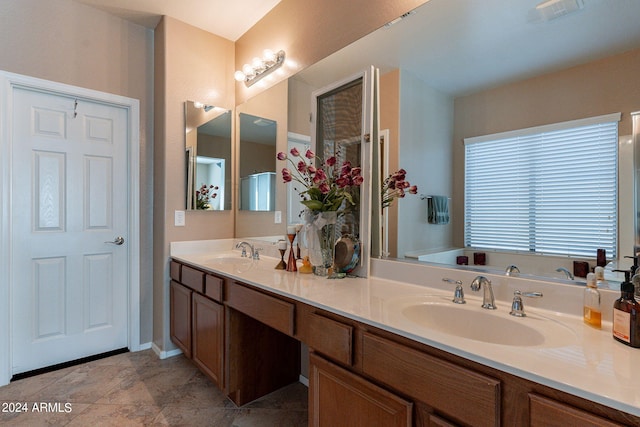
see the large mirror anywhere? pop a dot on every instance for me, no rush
(207, 157)
(260, 134)
(455, 69)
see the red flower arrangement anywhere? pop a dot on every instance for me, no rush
(326, 187)
(203, 197)
(396, 186)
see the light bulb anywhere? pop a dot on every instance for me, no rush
(257, 63)
(247, 70)
(239, 76)
(269, 56)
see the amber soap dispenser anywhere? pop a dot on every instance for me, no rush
(592, 314)
(626, 315)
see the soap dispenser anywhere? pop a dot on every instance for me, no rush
(626, 315)
(592, 315)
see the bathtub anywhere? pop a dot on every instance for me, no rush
(536, 265)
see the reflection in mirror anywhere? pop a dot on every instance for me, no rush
(453, 70)
(207, 157)
(257, 163)
(339, 131)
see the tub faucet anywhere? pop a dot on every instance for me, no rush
(512, 270)
(488, 300)
(567, 272)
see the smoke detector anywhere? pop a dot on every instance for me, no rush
(552, 9)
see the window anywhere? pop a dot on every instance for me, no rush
(545, 190)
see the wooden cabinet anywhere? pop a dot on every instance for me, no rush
(262, 354)
(197, 318)
(247, 340)
(337, 397)
(180, 316)
(208, 337)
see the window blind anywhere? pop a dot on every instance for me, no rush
(547, 190)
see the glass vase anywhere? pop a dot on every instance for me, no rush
(320, 230)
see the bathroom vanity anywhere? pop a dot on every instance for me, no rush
(370, 363)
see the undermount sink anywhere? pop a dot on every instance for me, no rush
(238, 263)
(490, 326)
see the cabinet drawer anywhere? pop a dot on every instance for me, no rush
(174, 270)
(192, 278)
(267, 309)
(329, 337)
(213, 287)
(549, 413)
(464, 395)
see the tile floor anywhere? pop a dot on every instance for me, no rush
(139, 389)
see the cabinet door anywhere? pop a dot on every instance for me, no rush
(180, 317)
(339, 397)
(545, 412)
(208, 333)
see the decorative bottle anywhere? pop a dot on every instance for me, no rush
(626, 312)
(601, 282)
(592, 314)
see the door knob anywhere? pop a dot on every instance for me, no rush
(117, 241)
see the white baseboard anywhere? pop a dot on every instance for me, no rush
(304, 380)
(165, 354)
(145, 346)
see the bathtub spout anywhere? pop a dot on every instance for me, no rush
(566, 272)
(512, 270)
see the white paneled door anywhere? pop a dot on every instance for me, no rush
(69, 192)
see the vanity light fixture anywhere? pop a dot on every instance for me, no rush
(260, 67)
(205, 107)
(552, 9)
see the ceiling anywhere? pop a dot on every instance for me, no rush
(228, 19)
(456, 46)
(462, 46)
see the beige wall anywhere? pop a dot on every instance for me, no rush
(601, 87)
(390, 120)
(64, 41)
(190, 64)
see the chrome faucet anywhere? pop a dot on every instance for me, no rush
(567, 272)
(488, 300)
(244, 246)
(458, 295)
(512, 270)
(517, 307)
(255, 252)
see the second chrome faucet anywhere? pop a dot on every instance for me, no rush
(488, 301)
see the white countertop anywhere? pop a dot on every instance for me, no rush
(591, 364)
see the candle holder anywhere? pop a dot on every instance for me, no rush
(298, 228)
(291, 264)
(282, 265)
